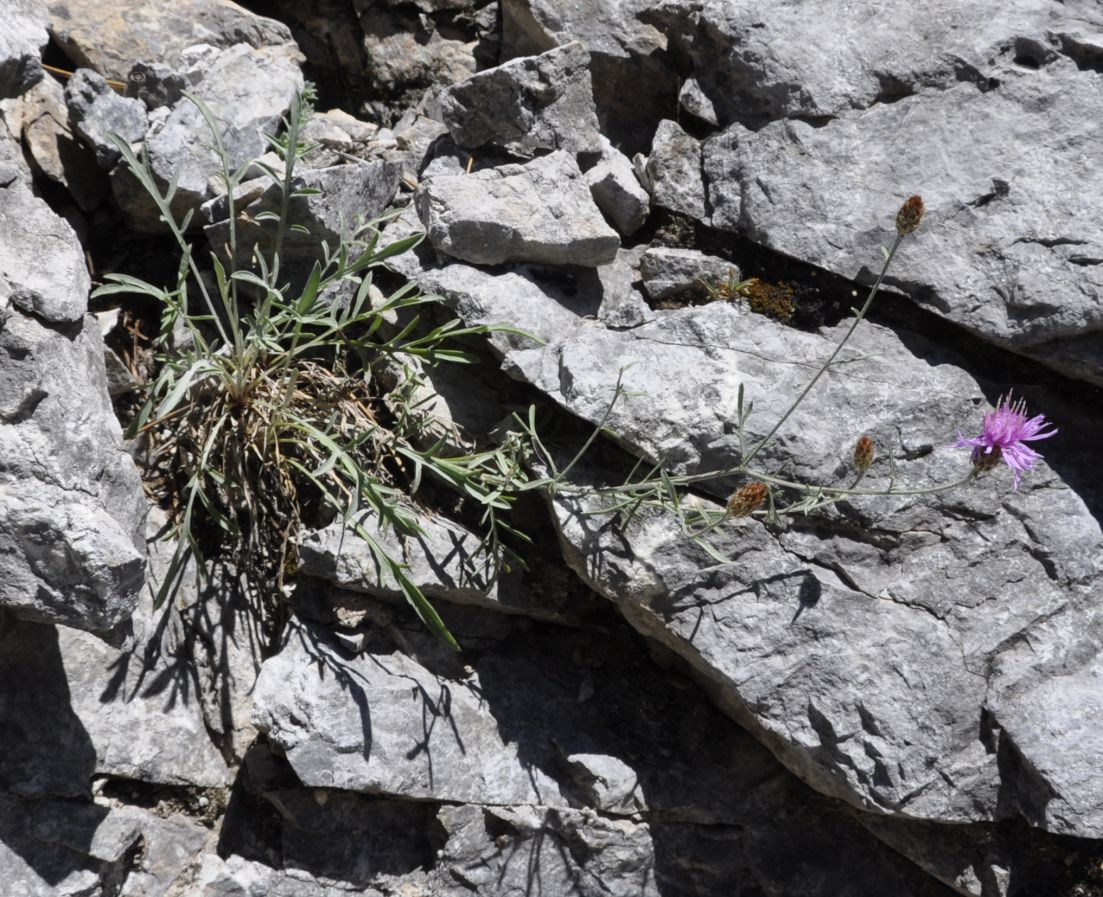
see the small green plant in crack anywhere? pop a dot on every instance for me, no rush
(263, 416)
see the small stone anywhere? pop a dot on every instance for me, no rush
(673, 171)
(97, 113)
(540, 102)
(618, 193)
(541, 211)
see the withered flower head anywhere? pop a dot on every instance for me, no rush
(863, 453)
(747, 499)
(909, 216)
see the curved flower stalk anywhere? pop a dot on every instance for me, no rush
(1004, 433)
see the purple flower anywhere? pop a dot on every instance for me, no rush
(1005, 431)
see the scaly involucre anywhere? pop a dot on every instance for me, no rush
(1005, 431)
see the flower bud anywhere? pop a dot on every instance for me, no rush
(747, 499)
(985, 459)
(909, 216)
(863, 453)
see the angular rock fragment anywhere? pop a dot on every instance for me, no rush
(71, 504)
(540, 102)
(141, 704)
(48, 848)
(539, 212)
(56, 152)
(247, 91)
(111, 38)
(755, 68)
(632, 78)
(1006, 250)
(668, 271)
(345, 724)
(445, 561)
(672, 173)
(348, 196)
(97, 112)
(22, 40)
(29, 230)
(618, 192)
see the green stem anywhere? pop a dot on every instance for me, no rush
(854, 324)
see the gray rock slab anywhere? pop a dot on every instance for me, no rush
(56, 152)
(756, 68)
(97, 112)
(610, 857)
(406, 52)
(667, 271)
(235, 876)
(444, 561)
(625, 52)
(30, 232)
(21, 44)
(618, 192)
(673, 174)
(345, 723)
(351, 840)
(1008, 249)
(140, 704)
(247, 90)
(63, 849)
(958, 578)
(172, 849)
(72, 510)
(349, 195)
(111, 39)
(540, 102)
(539, 212)
(45, 751)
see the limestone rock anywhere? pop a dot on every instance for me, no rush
(73, 509)
(29, 231)
(50, 848)
(444, 561)
(538, 212)
(618, 192)
(754, 68)
(835, 582)
(349, 728)
(348, 196)
(110, 39)
(140, 703)
(540, 102)
(22, 41)
(247, 91)
(96, 113)
(625, 52)
(56, 152)
(668, 271)
(1006, 250)
(673, 171)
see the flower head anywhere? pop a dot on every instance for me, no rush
(909, 216)
(747, 500)
(1005, 431)
(863, 453)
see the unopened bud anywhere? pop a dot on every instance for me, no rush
(984, 460)
(747, 499)
(909, 216)
(863, 453)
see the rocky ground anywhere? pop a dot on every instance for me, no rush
(902, 696)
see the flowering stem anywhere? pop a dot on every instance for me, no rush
(807, 389)
(842, 492)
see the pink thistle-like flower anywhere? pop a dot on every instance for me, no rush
(1005, 431)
